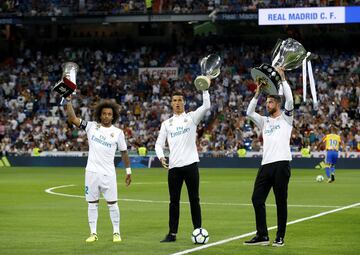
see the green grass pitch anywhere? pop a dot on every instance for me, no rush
(35, 222)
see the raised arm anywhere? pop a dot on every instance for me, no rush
(289, 101)
(71, 113)
(160, 144)
(200, 112)
(250, 112)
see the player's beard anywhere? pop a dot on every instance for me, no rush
(106, 122)
(271, 111)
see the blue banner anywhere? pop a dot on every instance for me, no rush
(143, 162)
(352, 14)
(314, 15)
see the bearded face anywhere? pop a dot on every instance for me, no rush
(272, 105)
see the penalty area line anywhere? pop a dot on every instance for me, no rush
(270, 228)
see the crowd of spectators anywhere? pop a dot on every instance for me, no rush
(119, 7)
(31, 116)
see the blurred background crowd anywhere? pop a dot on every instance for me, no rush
(32, 117)
(34, 44)
(116, 7)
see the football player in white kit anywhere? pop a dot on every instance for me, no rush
(180, 133)
(100, 175)
(274, 171)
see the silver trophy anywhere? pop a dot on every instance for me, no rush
(210, 69)
(287, 54)
(67, 84)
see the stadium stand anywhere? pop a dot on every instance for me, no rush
(121, 7)
(31, 115)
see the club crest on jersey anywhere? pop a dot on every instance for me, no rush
(170, 121)
(185, 120)
(97, 126)
(112, 134)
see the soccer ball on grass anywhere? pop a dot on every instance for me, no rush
(319, 178)
(200, 236)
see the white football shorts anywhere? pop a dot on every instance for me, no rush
(96, 183)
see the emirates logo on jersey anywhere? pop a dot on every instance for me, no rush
(179, 131)
(271, 129)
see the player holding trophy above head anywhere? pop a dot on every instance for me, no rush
(180, 133)
(274, 171)
(287, 55)
(104, 139)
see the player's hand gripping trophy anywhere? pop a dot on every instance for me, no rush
(287, 55)
(67, 85)
(210, 69)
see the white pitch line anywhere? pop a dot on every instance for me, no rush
(270, 228)
(51, 191)
(152, 183)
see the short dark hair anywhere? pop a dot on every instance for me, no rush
(276, 97)
(177, 93)
(107, 104)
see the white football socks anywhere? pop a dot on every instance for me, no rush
(93, 216)
(115, 216)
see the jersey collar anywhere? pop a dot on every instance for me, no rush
(179, 115)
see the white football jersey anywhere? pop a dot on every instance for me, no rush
(276, 132)
(276, 135)
(103, 142)
(180, 133)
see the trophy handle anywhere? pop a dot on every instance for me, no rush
(275, 50)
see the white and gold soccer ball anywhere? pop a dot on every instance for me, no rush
(200, 236)
(319, 178)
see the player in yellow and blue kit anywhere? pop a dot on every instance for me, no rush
(332, 143)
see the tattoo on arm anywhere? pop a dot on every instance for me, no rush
(70, 111)
(71, 115)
